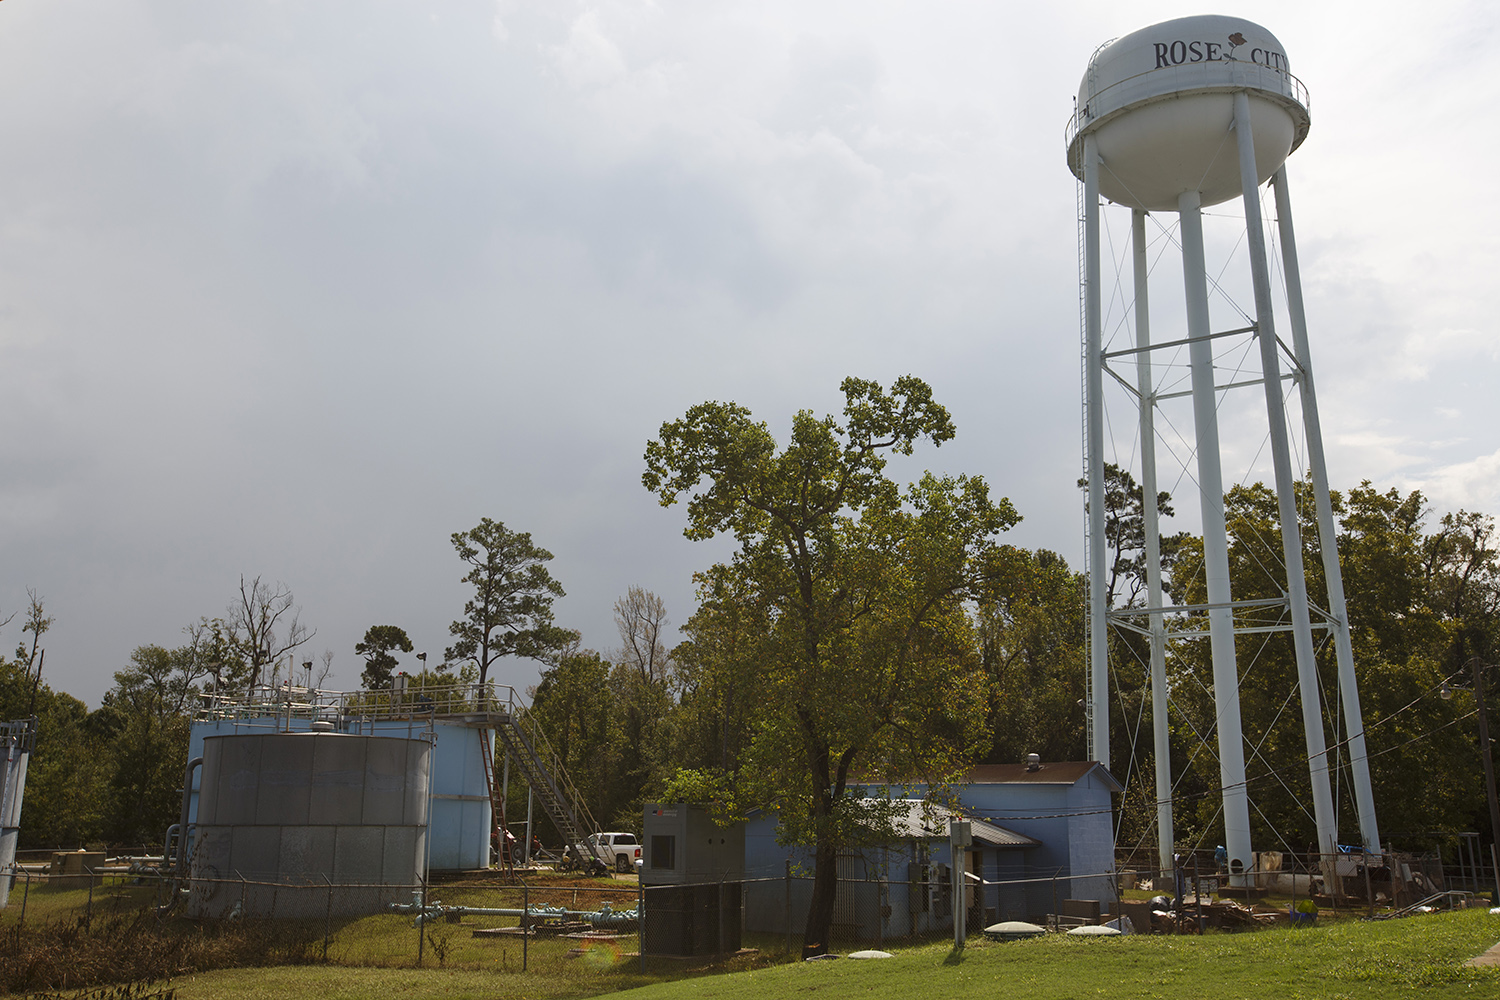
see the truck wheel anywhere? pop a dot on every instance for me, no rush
(622, 864)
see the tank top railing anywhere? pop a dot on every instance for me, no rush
(1268, 78)
(401, 701)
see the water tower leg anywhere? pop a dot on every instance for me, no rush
(1152, 524)
(1215, 539)
(1364, 796)
(1291, 532)
(1094, 405)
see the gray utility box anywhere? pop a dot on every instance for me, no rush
(684, 846)
(692, 872)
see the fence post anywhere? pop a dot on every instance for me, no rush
(88, 913)
(721, 913)
(525, 924)
(1369, 893)
(1293, 909)
(880, 904)
(640, 922)
(421, 920)
(788, 906)
(328, 918)
(1056, 911)
(957, 878)
(1197, 892)
(25, 895)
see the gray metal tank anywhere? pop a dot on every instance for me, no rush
(301, 824)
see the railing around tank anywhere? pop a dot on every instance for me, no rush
(407, 699)
(401, 701)
(19, 735)
(1281, 81)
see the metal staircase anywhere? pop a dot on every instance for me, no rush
(543, 770)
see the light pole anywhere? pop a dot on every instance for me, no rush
(1476, 664)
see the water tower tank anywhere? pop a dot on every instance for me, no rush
(1159, 103)
(298, 824)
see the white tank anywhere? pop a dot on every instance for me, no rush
(1159, 103)
(303, 824)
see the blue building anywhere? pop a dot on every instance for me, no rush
(459, 811)
(1042, 833)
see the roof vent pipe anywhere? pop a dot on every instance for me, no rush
(1033, 762)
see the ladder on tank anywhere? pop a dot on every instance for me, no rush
(542, 768)
(498, 827)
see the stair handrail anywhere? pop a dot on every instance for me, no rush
(553, 772)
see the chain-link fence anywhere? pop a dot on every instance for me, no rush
(1351, 879)
(580, 925)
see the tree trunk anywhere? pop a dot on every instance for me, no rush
(825, 891)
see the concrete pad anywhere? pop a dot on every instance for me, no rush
(1490, 959)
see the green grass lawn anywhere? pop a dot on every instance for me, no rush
(1345, 960)
(1354, 960)
(375, 955)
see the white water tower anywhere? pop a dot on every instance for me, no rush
(1175, 118)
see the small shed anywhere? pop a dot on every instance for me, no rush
(900, 887)
(691, 876)
(1068, 808)
(1043, 834)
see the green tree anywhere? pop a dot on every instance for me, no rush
(1421, 602)
(376, 648)
(872, 665)
(145, 719)
(1032, 632)
(1125, 536)
(510, 613)
(66, 792)
(715, 669)
(575, 707)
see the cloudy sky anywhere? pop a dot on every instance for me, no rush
(298, 289)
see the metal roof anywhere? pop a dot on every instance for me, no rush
(916, 819)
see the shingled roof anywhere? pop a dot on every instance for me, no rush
(1060, 773)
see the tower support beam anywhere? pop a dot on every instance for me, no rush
(1215, 540)
(1151, 524)
(1359, 761)
(1286, 499)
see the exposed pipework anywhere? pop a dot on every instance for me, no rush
(179, 869)
(603, 918)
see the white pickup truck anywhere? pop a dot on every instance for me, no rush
(622, 850)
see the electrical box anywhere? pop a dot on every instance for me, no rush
(682, 845)
(692, 872)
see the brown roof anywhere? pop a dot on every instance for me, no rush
(1055, 773)
(1049, 773)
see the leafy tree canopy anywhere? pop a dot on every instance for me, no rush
(869, 663)
(510, 613)
(376, 648)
